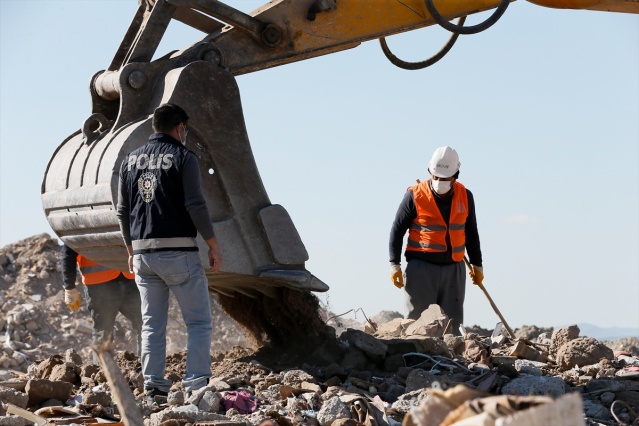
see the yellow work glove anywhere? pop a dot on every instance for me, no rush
(476, 274)
(396, 275)
(72, 299)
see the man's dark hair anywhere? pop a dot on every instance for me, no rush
(166, 117)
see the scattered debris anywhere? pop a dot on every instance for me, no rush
(386, 372)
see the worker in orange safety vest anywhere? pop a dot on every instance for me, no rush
(107, 291)
(439, 216)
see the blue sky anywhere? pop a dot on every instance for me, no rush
(543, 109)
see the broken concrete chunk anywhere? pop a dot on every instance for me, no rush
(12, 396)
(533, 368)
(97, 397)
(522, 350)
(296, 377)
(430, 345)
(40, 390)
(70, 355)
(563, 336)
(419, 379)
(210, 402)
(533, 385)
(45, 367)
(12, 421)
(392, 329)
(66, 372)
(582, 351)
(432, 322)
(366, 343)
(332, 410)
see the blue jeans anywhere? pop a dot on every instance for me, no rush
(105, 300)
(180, 272)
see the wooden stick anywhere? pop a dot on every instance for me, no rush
(503, 321)
(130, 412)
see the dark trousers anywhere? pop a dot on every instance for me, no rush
(105, 300)
(431, 283)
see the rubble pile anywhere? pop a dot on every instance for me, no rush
(388, 371)
(36, 323)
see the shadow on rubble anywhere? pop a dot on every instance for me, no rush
(286, 330)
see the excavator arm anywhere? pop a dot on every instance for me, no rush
(261, 248)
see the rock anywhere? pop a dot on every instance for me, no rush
(332, 410)
(64, 372)
(533, 385)
(11, 396)
(394, 328)
(596, 410)
(473, 350)
(175, 398)
(70, 355)
(419, 379)
(354, 359)
(46, 366)
(88, 370)
(369, 345)
(529, 367)
(12, 421)
(210, 402)
(345, 422)
(607, 398)
(531, 332)
(582, 351)
(454, 343)
(431, 322)
(335, 370)
(393, 363)
(40, 390)
(97, 397)
(563, 336)
(430, 345)
(296, 377)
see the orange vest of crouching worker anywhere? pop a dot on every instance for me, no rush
(94, 273)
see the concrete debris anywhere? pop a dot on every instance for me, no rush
(391, 371)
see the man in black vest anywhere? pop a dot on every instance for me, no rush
(161, 209)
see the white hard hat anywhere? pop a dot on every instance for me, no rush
(444, 162)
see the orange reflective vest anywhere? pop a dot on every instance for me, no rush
(94, 273)
(428, 230)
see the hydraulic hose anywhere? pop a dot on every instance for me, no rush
(422, 64)
(460, 29)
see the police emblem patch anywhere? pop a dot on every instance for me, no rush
(146, 185)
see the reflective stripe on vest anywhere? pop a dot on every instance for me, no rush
(428, 230)
(94, 273)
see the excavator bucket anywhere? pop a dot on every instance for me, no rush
(261, 249)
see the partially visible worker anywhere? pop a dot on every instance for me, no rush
(161, 209)
(439, 215)
(108, 291)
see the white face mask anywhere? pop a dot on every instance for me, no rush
(441, 186)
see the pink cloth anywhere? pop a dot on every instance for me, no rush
(243, 401)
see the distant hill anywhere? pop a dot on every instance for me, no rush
(606, 333)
